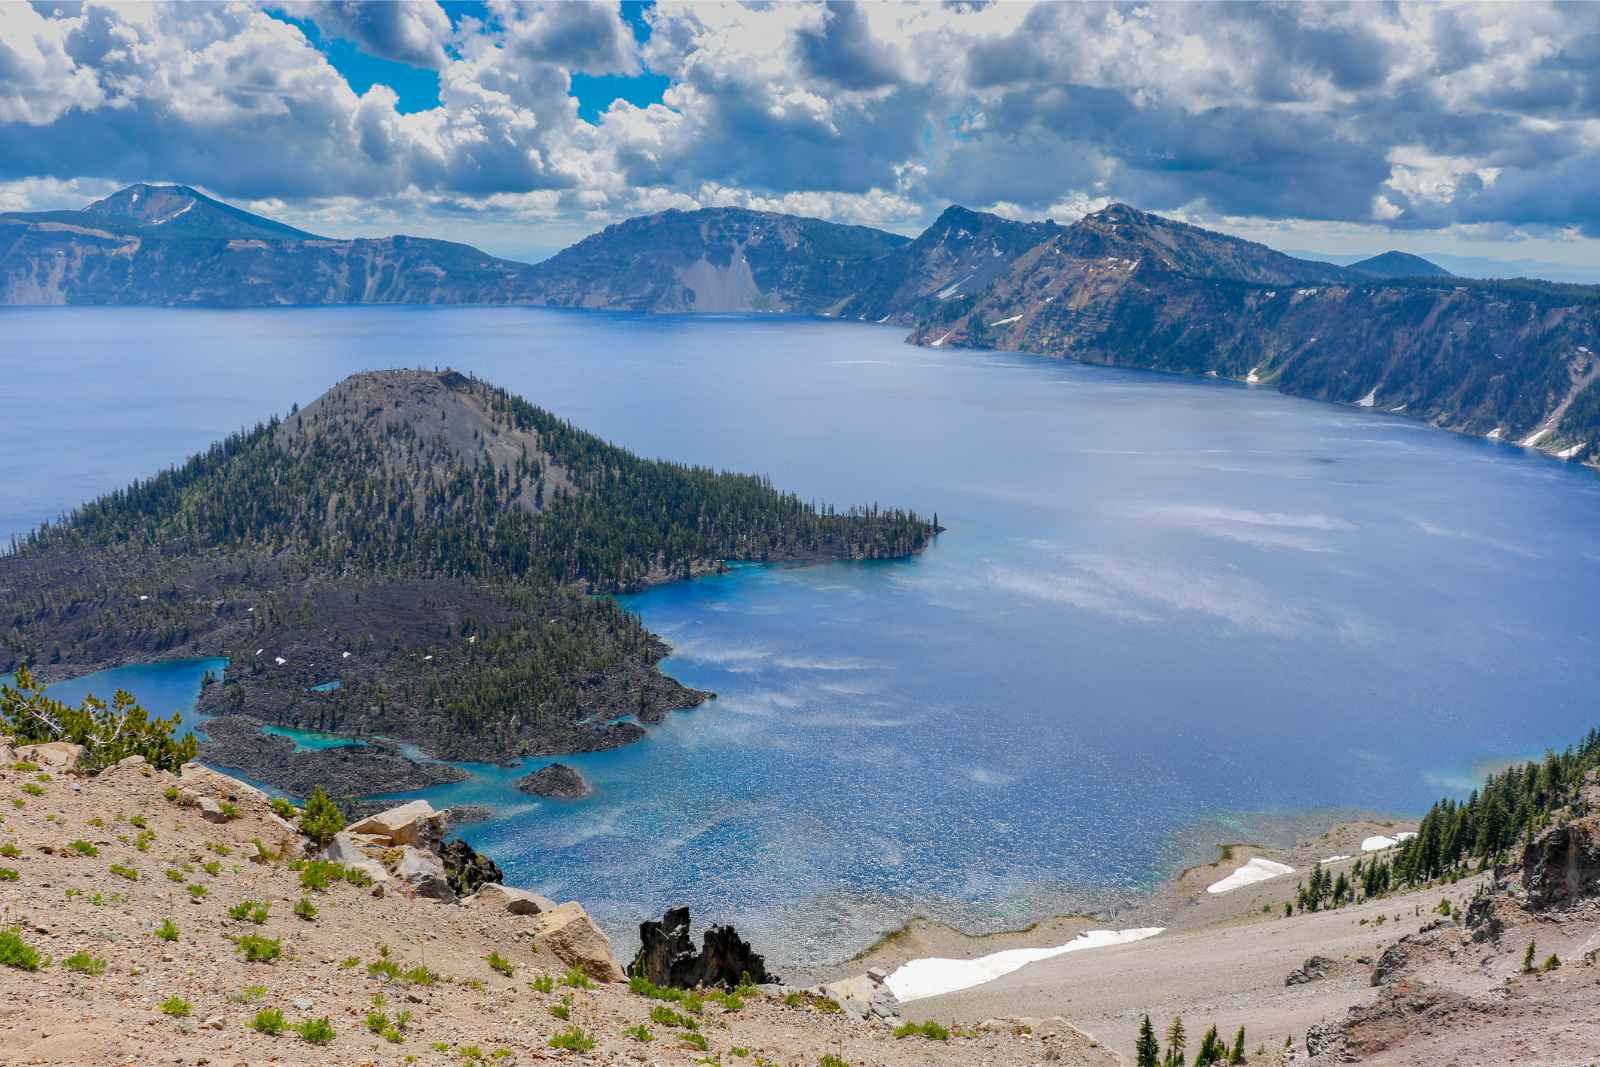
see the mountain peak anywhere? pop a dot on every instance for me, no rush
(180, 211)
(1397, 264)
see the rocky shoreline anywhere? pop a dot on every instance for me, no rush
(363, 769)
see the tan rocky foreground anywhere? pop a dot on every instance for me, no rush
(143, 892)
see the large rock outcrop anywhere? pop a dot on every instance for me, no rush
(667, 957)
(1562, 864)
(567, 932)
(556, 780)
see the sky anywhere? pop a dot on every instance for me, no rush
(1469, 131)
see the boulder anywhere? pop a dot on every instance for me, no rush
(864, 997)
(572, 937)
(667, 957)
(1562, 864)
(346, 848)
(202, 779)
(1313, 969)
(467, 869)
(556, 780)
(210, 810)
(506, 898)
(52, 755)
(423, 873)
(415, 823)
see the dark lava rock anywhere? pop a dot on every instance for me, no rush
(466, 869)
(667, 957)
(1562, 864)
(556, 780)
(1314, 968)
(466, 814)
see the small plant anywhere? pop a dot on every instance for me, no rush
(357, 877)
(386, 969)
(10, 851)
(1551, 962)
(640, 1033)
(1527, 957)
(83, 963)
(122, 870)
(269, 1021)
(543, 984)
(420, 975)
(197, 890)
(377, 1022)
(142, 841)
(15, 952)
(171, 793)
(174, 875)
(9, 874)
(136, 821)
(561, 1010)
(257, 949)
(250, 994)
(577, 979)
(212, 867)
(930, 1030)
(321, 818)
(572, 1039)
(793, 1000)
(303, 908)
(665, 1016)
(696, 1040)
(168, 930)
(220, 848)
(176, 1007)
(501, 964)
(316, 1031)
(283, 808)
(249, 910)
(320, 874)
(349, 962)
(739, 1051)
(84, 848)
(830, 1060)
(230, 810)
(33, 790)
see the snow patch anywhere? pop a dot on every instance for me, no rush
(1536, 436)
(1257, 870)
(1568, 453)
(1005, 322)
(1336, 859)
(181, 211)
(1370, 399)
(1496, 433)
(1379, 842)
(279, 660)
(941, 340)
(1254, 376)
(932, 976)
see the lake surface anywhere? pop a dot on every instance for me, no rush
(1167, 612)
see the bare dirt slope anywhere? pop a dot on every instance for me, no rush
(101, 863)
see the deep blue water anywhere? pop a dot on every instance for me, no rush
(1165, 611)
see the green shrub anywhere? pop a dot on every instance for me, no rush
(122, 870)
(283, 808)
(640, 1033)
(830, 1060)
(384, 968)
(212, 867)
(543, 984)
(174, 875)
(230, 810)
(269, 1021)
(320, 874)
(576, 979)
(15, 952)
(10, 851)
(377, 1022)
(84, 848)
(197, 890)
(562, 1010)
(305, 909)
(83, 963)
(250, 994)
(572, 1039)
(9, 874)
(420, 975)
(108, 734)
(252, 910)
(167, 931)
(257, 949)
(696, 1040)
(357, 877)
(136, 821)
(930, 1030)
(321, 818)
(176, 1007)
(33, 790)
(501, 964)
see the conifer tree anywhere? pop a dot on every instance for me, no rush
(1237, 1055)
(1147, 1052)
(1176, 1043)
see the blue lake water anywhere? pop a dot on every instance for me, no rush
(1167, 611)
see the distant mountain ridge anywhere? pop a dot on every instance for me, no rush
(1513, 360)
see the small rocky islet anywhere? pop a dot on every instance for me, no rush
(556, 780)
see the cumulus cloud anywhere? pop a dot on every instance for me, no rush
(1402, 116)
(413, 32)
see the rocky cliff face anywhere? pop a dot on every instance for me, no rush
(1509, 360)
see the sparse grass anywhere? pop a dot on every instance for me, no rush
(249, 910)
(171, 793)
(306, 910)
(543, 984)
(640, 1033)
(174, 875)
(10, 851)
(269, 1021)
(84, 848)
(250, 994)
(830, 1060)
(665, 1016)
(197, 890)
(577, 979)
(142, 841)
(257, 949)
(282, 808)
(501, 964)
(122, 870)
(32, 789)
(357, 877)
(25, 766)
(319, 875)
(136, 821)
(930, 1030)
(219, 848)
(349, 962)
(563, 1009)
(83, 963)
(384, 968)
(168, 930)
(97, 822)
(230, 810)
(695, 1040)
(420, 975)
(212, 867)
(572, 1039)
(176, 1007)
(15, 952)
(9, 874)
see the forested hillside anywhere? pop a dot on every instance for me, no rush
(429, 543)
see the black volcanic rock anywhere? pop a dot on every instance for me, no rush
(467, 869)
(556, 780)
(667, 958)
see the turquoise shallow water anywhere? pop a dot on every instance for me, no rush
(1161, 603)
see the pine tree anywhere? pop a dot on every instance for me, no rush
(1176, 1042)
(1237, 1055)
(1212, 1050)
(1147, 1052)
